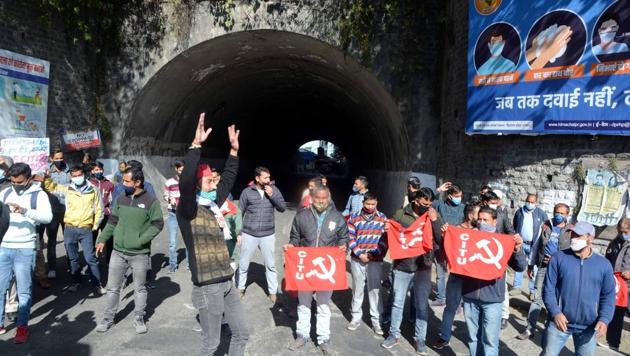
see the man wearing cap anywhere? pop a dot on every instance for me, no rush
(579, 294)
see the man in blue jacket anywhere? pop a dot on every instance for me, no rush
(579, 294)
(483, 300)
(528, 222)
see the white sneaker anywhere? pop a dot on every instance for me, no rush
(52, 274)
(353, 325)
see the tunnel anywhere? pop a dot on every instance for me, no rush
(281, 89)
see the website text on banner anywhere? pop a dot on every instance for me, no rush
(549, 67)
(477, 254)
(315, 269)
(23, 95)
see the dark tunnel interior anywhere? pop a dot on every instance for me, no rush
(282, 90)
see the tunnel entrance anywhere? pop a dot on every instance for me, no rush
(281, 89)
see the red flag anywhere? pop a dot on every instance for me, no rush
(315, 269)
(413, 241)
(477, 254)
(621, 290)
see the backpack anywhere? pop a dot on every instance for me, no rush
(33, 198)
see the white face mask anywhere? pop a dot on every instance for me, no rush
(493, 206)
(578, 244)
(78, 181)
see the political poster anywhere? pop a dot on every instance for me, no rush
(315, 269)
(551, 197)
(23, 95)
(604, 197)
(32, 151)
(548, 67)
(412, 241)
(80, 140)
(477, 254)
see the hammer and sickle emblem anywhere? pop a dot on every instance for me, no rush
(403, 240)
(490, 257)
(325, 272)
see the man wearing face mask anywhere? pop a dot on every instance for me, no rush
(607, 31)
(60, 174)
(135, 221)
(416, 270)
(528, 222)
(318, 226)
(171, 196)
(355, 201)
(618, 253)
(483, 300)
(555, 236)
(84, 212)
(451, 210)
(496, 63)
(105, 188)
(258, 204)
(28, 206)
(579, 294)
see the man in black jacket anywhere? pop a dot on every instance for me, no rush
(319, 225)
(213, 293)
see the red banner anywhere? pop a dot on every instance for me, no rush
(621, 290)
(315, 269)
(477, 254)
(413, 241)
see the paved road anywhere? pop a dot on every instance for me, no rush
(63, 323)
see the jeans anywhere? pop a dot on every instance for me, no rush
(118, 266)
(613, 334)
(266, 244)
(214, 302)
(303, 326)
(583, 340)
(371, 273)
(453, 300)
(52, 229)
(483, 321)
(173, 228)
(440, 280)
(421, 287)
(20, 261)
(73, 236)
(518, 276)
(537, 304)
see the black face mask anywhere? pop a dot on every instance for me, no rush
(420, 209)
(21, 188)
(410, 196)
(59, 164)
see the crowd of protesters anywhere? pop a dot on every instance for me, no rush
(114, 223)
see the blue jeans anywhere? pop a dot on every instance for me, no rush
(537, 304)
(20, 261)
(453, 300)
(483, 321)
(583, 340)
(518, 276)
(72, 237)
(173, 228)
(440, 280)
(421, 280)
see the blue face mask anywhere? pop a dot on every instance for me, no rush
(559, 219)
(626, 237)
(129, 190)
(209, 195)
(487, 227)
(530, 206)
(99, 175)
(456, 201)
(496, 48)
(355, 188)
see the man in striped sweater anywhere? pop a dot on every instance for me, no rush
(368, 246)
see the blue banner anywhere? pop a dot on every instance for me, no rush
(549, 67)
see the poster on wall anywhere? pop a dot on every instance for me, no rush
(551, 197)
(23, 95)
(549, 67)
(604, 198)
(32, 151)
(80, 140)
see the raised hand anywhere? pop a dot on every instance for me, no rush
(201, 135)
(233, 134)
